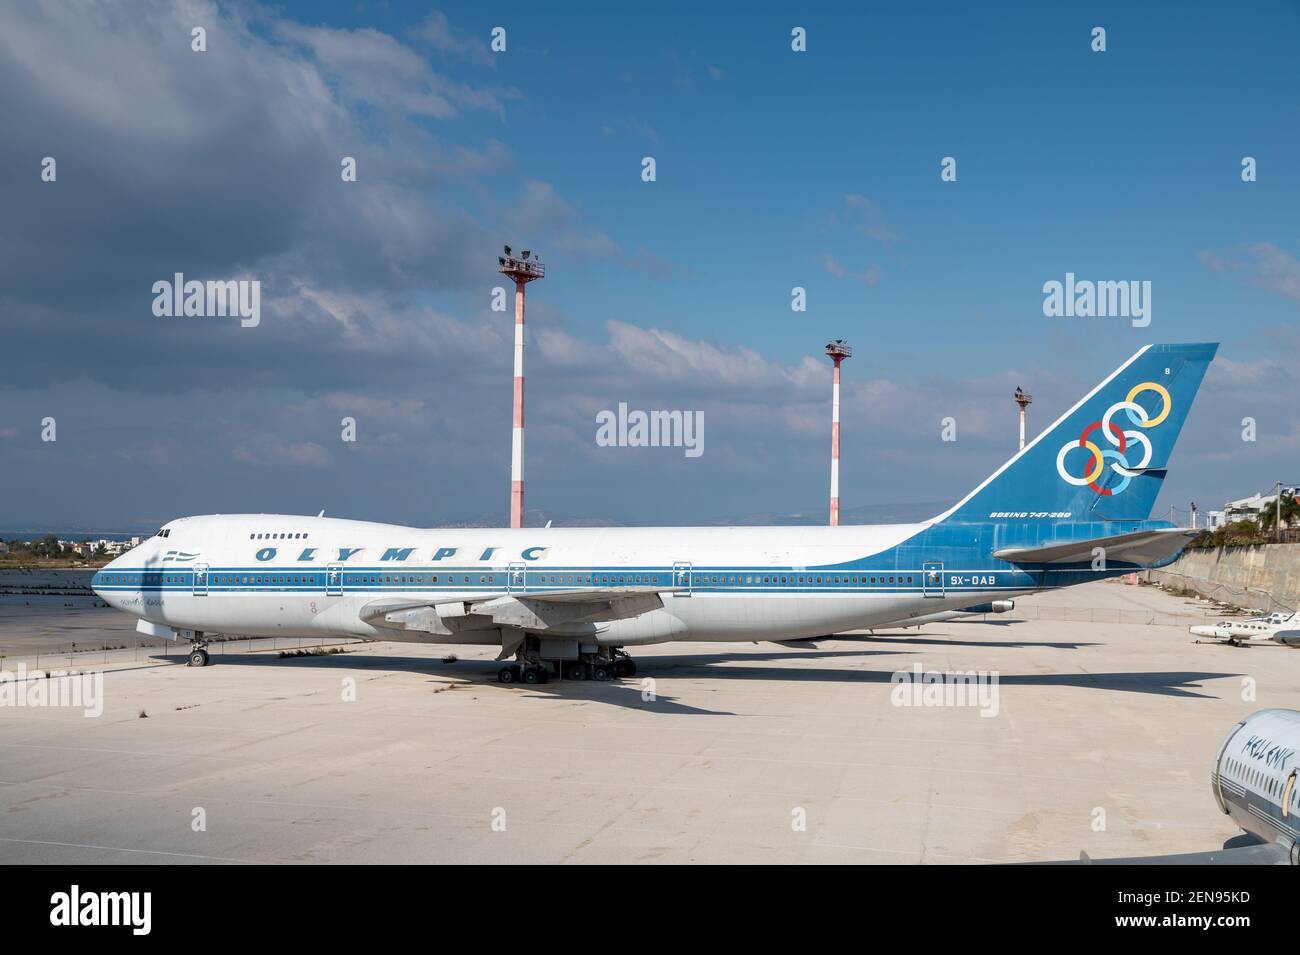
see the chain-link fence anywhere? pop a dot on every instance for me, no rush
(1250, 597)
(1190, 618)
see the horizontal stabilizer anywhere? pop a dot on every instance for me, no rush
(1139, 547)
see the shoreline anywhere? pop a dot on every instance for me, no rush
(32, 566)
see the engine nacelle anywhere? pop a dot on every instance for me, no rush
(993, 606)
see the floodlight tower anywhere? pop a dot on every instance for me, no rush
(837, 351)
(1024, 401)
(523, 269)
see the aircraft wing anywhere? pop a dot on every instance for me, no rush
(1264, 853)
(1139, 547)
(563, 611)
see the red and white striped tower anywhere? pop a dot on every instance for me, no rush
(837, 351)
(1024, 401)
(523, 269)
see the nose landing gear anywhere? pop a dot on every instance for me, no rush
(198, 651)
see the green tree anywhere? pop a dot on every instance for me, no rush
(1240, 534)
(1290, 513)
(1236, 534)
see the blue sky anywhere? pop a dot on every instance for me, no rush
(1122, 164)
(775, 169)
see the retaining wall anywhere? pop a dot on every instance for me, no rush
(1266, 576)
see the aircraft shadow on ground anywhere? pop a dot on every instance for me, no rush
(939, 640)
(727, 666)
(625, 693)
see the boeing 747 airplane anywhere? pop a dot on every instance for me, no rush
(1072, 506)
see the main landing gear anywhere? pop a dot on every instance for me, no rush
(529, 667)
(525, 673)
(600, 667)
(612, 664)
(603, 666)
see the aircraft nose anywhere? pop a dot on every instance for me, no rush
(100, 577)
(1202, 631)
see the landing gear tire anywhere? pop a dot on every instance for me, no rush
(534, 675)
(600, 672)
(508, 675)
(198, 658)
(624, 668)
(575, 671)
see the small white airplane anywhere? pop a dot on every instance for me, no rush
(1254, 629)
(1070, 507)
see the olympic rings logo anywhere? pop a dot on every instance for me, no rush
(1120, 440)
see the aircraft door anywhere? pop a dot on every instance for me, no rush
(200, 580)
(932, 578)
(682, 578)
(333, 580)
(516, 577)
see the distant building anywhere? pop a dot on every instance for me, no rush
(1247, 508)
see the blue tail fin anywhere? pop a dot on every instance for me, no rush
(1105, 458)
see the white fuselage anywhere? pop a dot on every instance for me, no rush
(1255, 775)
(1244, 631)
(267, 575)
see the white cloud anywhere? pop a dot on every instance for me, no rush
(437, 32)
(1268, 266)
(870, 276)
(541, 209)
(865, 217)
(374, 68)
(1276, 270)
(269, 450)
